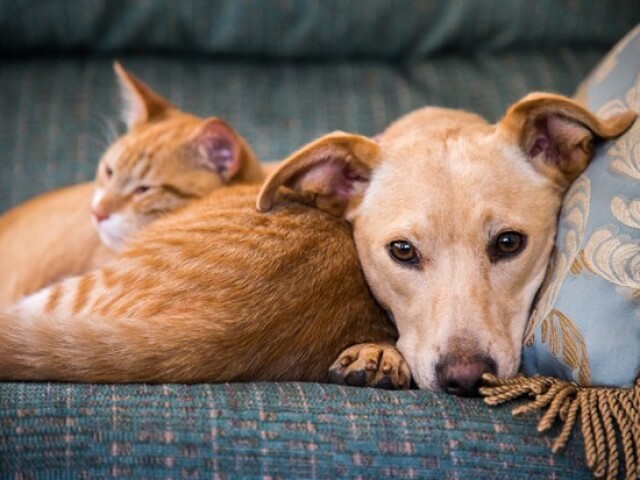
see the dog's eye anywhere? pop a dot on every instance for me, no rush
(403, 252)
(507, 244)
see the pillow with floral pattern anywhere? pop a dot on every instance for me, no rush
(586, 324)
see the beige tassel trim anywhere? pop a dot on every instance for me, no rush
(610, 418)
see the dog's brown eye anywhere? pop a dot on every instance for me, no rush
(507, 244)
(403, 252)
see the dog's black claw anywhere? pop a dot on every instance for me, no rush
(335, 376)
(386, 383)
(356, 378)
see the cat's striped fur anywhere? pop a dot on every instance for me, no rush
(215, 292)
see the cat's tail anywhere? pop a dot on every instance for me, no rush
(51, 335)
(59, 334)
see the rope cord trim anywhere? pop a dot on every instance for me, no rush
(609, 417)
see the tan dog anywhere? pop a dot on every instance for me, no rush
(454, 220)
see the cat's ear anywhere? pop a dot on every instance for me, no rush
(331, 173)
(140, 103)
(219, 148)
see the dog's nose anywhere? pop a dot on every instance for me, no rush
(463, 376)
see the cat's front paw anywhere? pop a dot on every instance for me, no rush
(375, 365)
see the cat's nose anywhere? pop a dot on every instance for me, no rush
(99, 216)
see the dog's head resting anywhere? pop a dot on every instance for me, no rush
(454, 220)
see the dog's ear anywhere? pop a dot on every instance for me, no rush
(558, 134)
(331, 173)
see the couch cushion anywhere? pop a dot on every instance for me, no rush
(586, 326)
(55, 111)
(269, 430)
(311, 29)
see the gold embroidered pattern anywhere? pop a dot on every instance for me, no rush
(625, 152)
(611, 60)
(578, 264)
(626, 213)
(614, 258)
(604, 69)
(564, 339)
(627, 155)
(573, 221)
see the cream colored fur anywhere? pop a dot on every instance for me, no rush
(450, 184)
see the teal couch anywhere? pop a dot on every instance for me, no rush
(282, 72)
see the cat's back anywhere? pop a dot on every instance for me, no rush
(222, 253)
(287, 281)
(223, 238)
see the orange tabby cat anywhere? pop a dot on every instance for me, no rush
(166, 159)
(216, 292)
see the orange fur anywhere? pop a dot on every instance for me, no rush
(215, 292)
(51, 236)
(36, 247)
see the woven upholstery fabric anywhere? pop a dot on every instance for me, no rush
(54, 111)
(311, 28)
(265, 430)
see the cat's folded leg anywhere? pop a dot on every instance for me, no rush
(378, 365)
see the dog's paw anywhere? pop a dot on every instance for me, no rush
(371, 365)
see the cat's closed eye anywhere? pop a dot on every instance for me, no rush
(139, 190)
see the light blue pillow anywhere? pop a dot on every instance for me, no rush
(586, 324)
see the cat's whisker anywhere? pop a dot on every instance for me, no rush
(106, 128)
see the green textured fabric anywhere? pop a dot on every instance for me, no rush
(265, 431)
(311, 28)
(54, 111)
